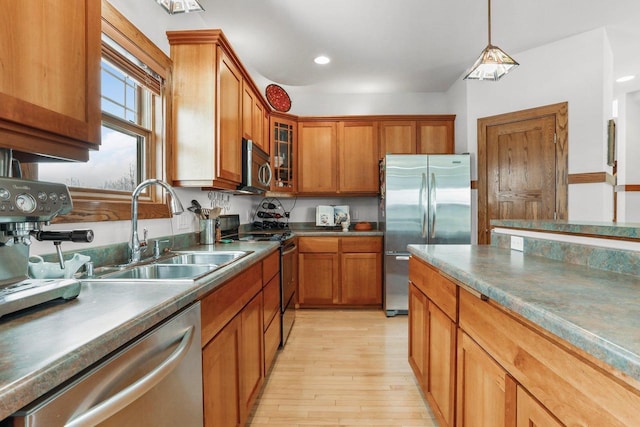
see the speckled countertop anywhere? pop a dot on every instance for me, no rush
(595, 310)
(588, 228)
(44, 346)
(310, 229)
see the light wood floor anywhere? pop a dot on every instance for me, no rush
(343, 368)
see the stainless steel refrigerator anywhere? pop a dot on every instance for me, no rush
(424, 199)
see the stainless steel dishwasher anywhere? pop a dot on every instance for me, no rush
(154, 381)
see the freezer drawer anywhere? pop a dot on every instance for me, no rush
(396, 283)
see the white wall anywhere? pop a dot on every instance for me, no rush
(576, 70)
(628, 153)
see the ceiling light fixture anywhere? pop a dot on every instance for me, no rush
(493, 62)
(625, 79)
(321, 60)
(180, 6)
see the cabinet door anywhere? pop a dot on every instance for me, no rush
(258, 125)
(248, 99)
(361, 281)
(317, 149)
(397, 137)
(531, 413)
(358, 150)
(251, 362)
(418, 338)
(283, 159)
(220, 370)
(486, 394)
(50, 79)
(435, 137)
(318, 274)
(442, 364)
(229, 160)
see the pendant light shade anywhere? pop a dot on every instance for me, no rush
(180, 6)
(493, 63)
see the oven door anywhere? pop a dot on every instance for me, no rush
(288, 274)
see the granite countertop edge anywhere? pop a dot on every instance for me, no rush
(544, 314)
(38, 379)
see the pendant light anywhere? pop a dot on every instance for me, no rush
(493, 62)
(180, 6)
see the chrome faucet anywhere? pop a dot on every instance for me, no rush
(176, 209)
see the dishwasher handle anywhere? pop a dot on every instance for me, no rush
(120, 400)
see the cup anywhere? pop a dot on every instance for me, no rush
(207, 231)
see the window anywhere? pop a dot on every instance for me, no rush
(133, 71)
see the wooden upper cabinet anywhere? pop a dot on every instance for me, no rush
(50, 79)
(435, 137)
(253, 117)
(358, 157)
(397, 137)
(317, 166)
(207, 96)
(426, 135)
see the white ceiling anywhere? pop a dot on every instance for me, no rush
(391, 46)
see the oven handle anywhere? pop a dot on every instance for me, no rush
(290, 247)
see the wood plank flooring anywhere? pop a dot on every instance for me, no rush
(343, 368)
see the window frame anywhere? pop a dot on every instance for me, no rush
(92, 205)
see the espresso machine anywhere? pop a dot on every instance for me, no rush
(27, 206)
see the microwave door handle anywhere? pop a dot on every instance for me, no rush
(265, 170)
(114, 404)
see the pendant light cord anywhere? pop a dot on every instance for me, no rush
(489, 15)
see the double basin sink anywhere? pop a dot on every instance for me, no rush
(176, 267)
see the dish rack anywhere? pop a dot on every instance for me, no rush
(271, 214)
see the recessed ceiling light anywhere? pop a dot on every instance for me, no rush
(321, 60)
(625, 79)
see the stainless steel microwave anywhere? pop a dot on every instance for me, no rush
(256, 169)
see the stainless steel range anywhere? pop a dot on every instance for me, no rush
(267, 231)
(25, 207)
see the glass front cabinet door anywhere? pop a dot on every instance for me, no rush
(283, 161)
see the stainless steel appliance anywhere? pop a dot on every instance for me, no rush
(256, 169)
(424, 199)
(25, 207)
(154, 381)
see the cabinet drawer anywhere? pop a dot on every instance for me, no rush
(442, 291)
(224, 302)
(271, 342)
(318, 244)
(361, 244)
(271, 295)
(557, 374)
(270, 267)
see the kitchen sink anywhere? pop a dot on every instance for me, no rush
(162, 272)
(218, 258)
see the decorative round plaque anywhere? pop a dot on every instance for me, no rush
(278, 98)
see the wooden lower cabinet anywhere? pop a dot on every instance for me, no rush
(432, 348)
(530, 413)
(508, 370)
(344, 271)
(486, 393)
(251, 365)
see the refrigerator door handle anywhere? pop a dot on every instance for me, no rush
(433, 203)
(422, 206)
(402, 257)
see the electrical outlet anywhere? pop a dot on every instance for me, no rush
(184, 221)
(517, 243)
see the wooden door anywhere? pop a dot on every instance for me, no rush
(358, 157)
(251, 362)
(418, 335)
(531, 413)
(442, 365)
(319, 278)
(522, 167)
(485, 392)
(435, 137)
(220, 372)
(229, 159)
(397, 137)
(317, 149)
(361, 282)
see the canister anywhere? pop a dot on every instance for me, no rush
(207, 231)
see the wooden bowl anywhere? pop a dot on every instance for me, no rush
(362, 226)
